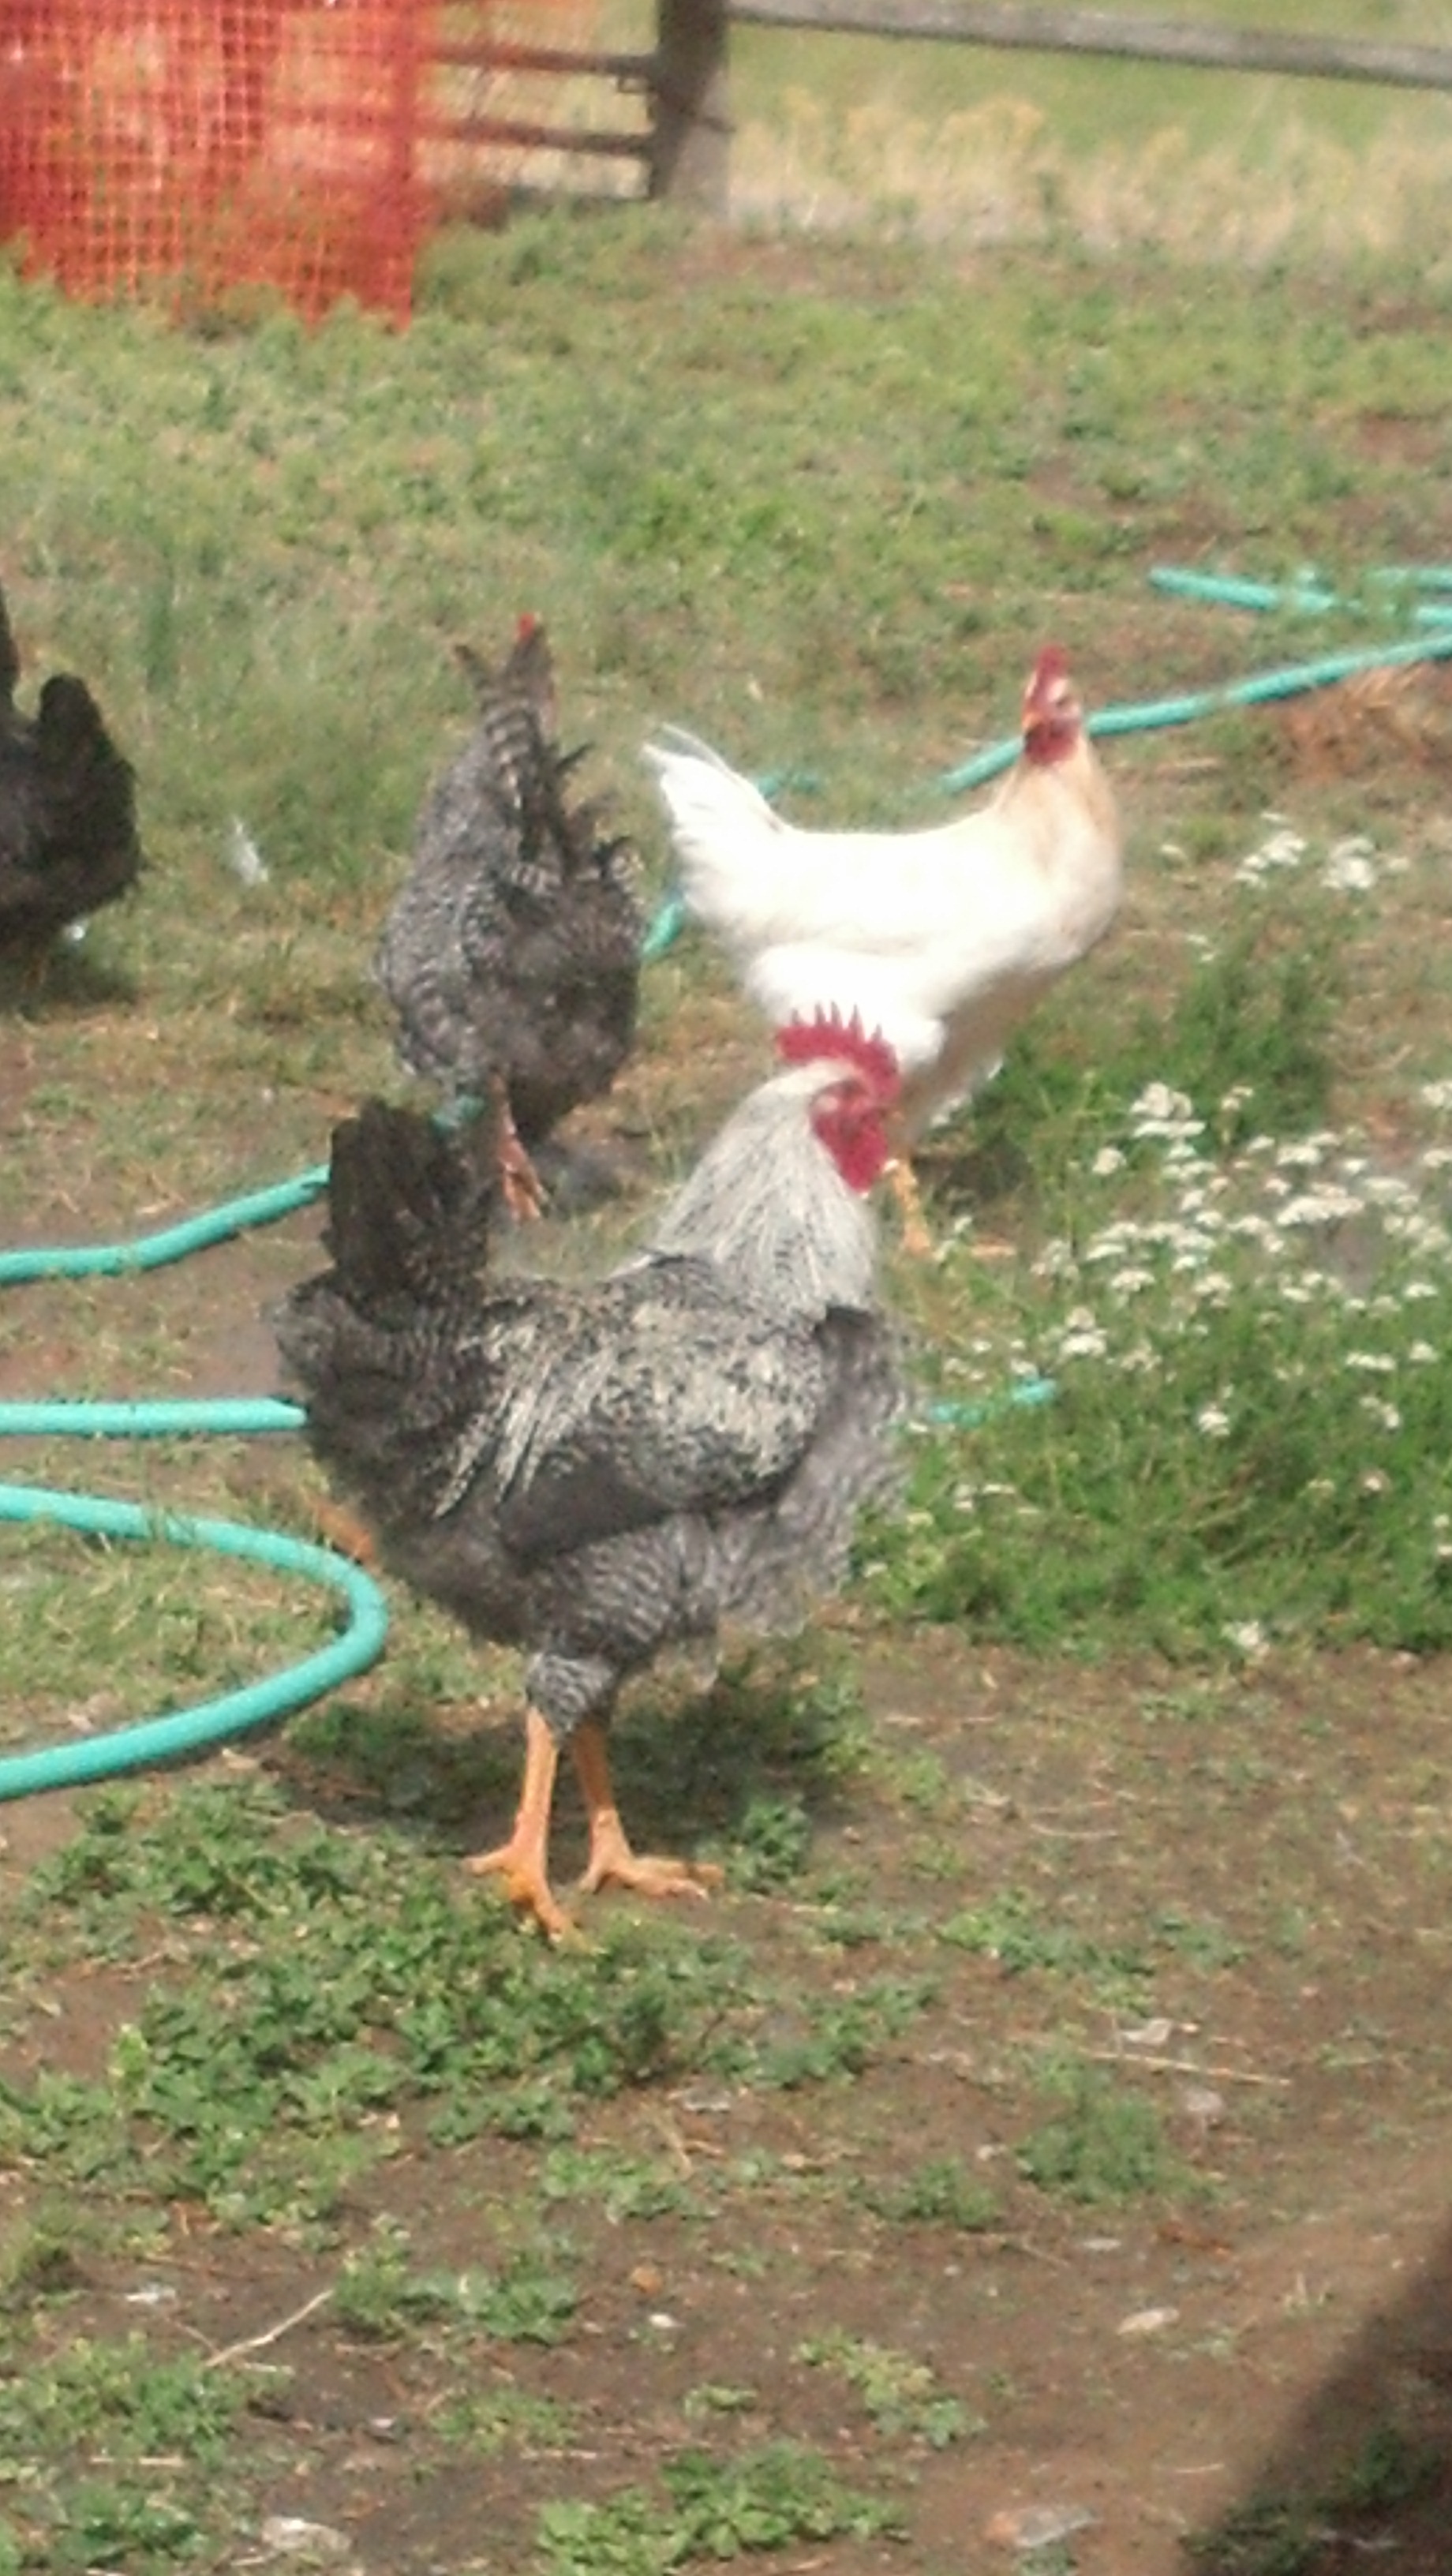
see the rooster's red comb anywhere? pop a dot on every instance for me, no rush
(829, 1038)
(1049, 670)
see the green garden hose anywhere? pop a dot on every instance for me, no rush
(160, 1739)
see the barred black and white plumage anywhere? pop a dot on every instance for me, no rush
(512, 953)
(597, 1471)
(68, 838)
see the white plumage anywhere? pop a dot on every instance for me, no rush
(943, 938)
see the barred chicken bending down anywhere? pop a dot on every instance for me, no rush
(597, 1471)
(512, 954)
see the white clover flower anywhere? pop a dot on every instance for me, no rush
(1421, 1355)
(1305, 1154)
(1248, 1638)
(1381, 1362)
(1376, 1481)
(1108, 1159)
(1416, 1290)
(1159, 1111)
(1437, 1095)
(1328, 1206)
(1385, 1416)
(1214, 1421)
(1129, 1282)
(1055, 1258)
(1140, 1356)
(1158, 1101)
(1436, 1158)
(1350, 866)
(1087, 1344)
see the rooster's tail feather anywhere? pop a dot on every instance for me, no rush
(408, 1207)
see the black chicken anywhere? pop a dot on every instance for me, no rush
(512, 955)
(596, 1471)
(68, 840)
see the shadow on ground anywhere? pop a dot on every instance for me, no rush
(1364, 2470)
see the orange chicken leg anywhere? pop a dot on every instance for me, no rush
(523, 1862)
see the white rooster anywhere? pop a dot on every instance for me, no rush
(944, 938)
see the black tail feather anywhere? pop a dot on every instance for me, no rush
(409, 1207)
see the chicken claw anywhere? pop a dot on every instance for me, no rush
(612, 1863)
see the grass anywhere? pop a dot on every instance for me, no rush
(600, 2235)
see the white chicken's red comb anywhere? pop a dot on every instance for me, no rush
(827, 1038)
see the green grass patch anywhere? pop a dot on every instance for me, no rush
(717, 2509)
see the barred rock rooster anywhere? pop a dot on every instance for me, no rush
(68, 840)
(512, 955)
(943, 939)
(596, 1471)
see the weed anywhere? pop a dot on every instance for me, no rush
(770, 1845)
(902, 2398)
(941, 2192)
(1271, 2536)
(504, 2419)
(1390, 2468)
(379, 2292)
(1106, 2145)
(718, 2508)
(1011, 1930)
(715, 2397)
(623, 2185)
(1284, 2535)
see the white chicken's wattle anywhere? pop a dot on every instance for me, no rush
(943, 938)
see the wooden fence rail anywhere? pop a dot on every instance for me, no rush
(1088, 31)
(686, 145)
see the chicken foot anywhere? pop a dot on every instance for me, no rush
(523, 1862)
(612, 1863)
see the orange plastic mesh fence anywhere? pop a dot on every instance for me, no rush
(211, 144)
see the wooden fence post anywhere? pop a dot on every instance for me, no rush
(690, 131)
